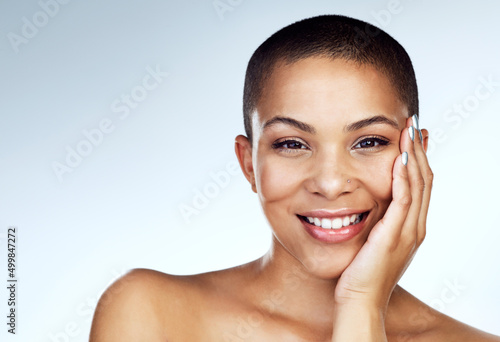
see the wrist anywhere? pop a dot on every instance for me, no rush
(356, 322)
(365, 311)
(366, 302)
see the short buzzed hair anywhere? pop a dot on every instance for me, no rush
(335, 37)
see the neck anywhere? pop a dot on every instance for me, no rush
(288, 289)
(283, 287)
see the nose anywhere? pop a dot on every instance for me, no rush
(331, 175)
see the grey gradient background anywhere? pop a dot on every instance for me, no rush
(120, 207)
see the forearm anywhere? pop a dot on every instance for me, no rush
(358, 323)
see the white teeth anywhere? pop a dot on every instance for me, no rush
(346, 221)
(335, 223)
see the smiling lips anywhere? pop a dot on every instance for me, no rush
(335, 223)
(325, 227)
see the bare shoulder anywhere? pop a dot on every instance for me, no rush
(419, 322)
(449, 329)
(144, 305)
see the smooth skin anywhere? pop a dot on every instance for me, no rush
(319, 123)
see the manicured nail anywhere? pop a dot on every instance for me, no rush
(414, 119)
(404, 158)
(411, 132)
(421, 138)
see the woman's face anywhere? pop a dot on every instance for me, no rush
(326, 134)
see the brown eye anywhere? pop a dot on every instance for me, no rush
(289, 144)
(371, 143)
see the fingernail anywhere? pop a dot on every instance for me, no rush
(411, 132)
(404, 158)
(421, 138)
(414, 119)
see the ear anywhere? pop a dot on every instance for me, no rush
(425, 136)
(243, 149)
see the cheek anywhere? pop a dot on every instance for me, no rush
(379, 179)
(275, 180)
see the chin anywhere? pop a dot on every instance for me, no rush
(326, 263)
(327, 273)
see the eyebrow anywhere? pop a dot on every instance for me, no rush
(377, 119)
(291, 122)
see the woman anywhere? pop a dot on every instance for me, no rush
(335, 153)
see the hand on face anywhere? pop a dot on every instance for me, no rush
(393, 241)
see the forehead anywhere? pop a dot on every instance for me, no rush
(324, 90)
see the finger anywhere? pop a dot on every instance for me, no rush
(410, 228)
(388, 229)
(428, 178)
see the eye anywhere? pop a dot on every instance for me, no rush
(289, 145)
(371, 142)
